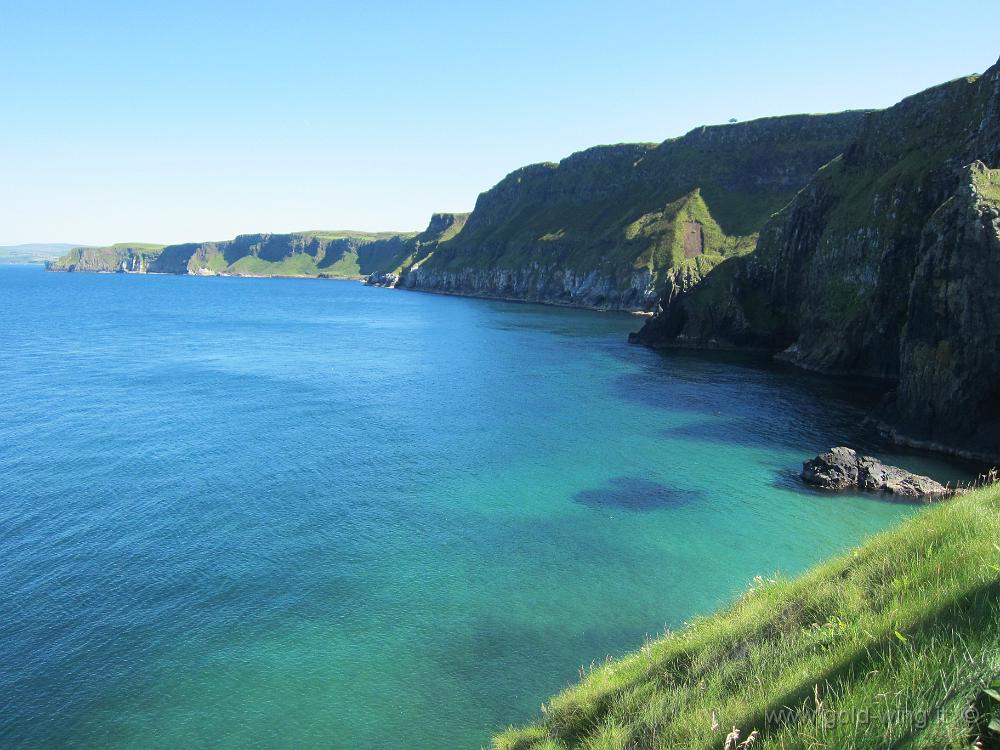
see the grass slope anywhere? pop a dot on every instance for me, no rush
(340, 254)
(884, 647)
(987, 184)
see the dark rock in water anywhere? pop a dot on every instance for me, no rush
(836, 470)
(842, 469)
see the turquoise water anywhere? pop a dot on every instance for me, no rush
(295, 513)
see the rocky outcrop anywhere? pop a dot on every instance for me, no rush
(844, 469)
(884, 265)
(382, 279)
(836, 470)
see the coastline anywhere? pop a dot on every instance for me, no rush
(362, 280)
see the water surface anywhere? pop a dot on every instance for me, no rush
(296, 513)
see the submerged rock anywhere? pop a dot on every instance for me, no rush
(842, 468)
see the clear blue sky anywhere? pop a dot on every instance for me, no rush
(173, 121)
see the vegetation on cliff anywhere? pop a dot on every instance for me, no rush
(888, 646)
(335, 254)
(607, 227)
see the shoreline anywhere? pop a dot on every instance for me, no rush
(361, 280)
(547, 303)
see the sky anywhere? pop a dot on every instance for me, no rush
(191, 121)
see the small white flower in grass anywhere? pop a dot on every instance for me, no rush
(732, 739)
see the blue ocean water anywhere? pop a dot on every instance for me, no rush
(297, 513)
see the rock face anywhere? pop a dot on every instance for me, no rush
(949, 373)
(537, 283)
(843, 468)
(615, 227)
(884, 265)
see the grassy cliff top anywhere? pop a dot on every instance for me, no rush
(350, 234)
(883, 647)
(320, 234)
(135, 246)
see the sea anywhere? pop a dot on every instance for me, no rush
(298, 513)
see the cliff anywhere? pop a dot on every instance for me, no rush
(442, 227)
(615, 227)
(612, 227)
(884, 265)
(121, 258)
(324, 254)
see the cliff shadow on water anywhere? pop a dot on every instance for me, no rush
(749, 399)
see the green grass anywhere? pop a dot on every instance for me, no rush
(347, 265)
(348, 234)
(297, 264)
(987, 182)
(883, 647)
(137, 246)
(665, 231)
